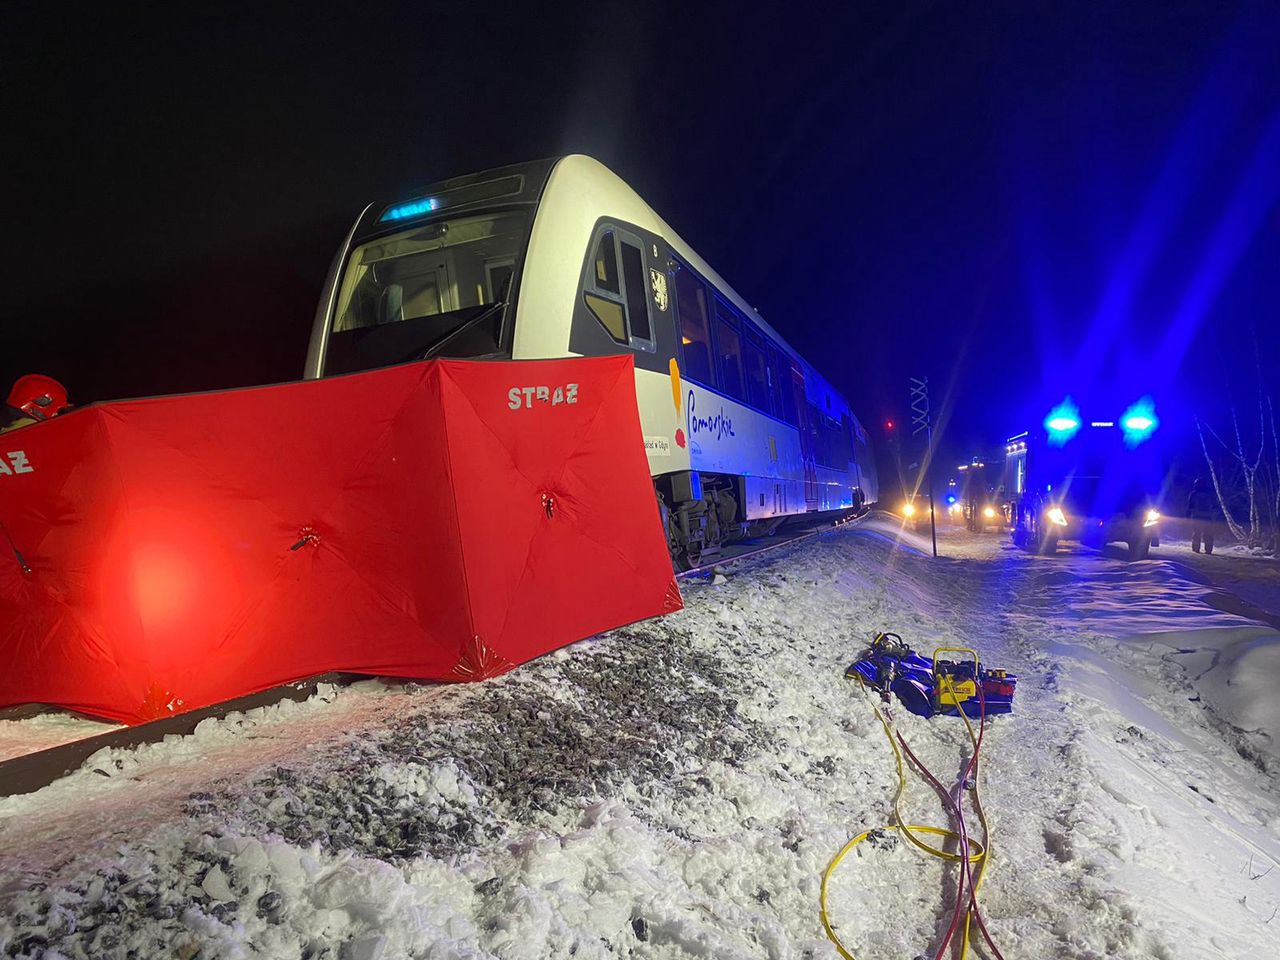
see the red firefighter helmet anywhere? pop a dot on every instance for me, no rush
(38, 396)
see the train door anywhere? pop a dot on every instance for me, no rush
(854, 467)
(807, 452)
(424, 287)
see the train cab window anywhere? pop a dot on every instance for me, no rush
(695, 328)
(637, 299)
(729, 350)
(615, 290)
(757, 371)
(603, 293)
(610, 314)
(605, 267)
(436, 289)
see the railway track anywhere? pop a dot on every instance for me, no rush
(32, 771)
(747, 549)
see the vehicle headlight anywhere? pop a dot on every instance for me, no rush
(1057, 516)
(1152, 518)
(908, 510)
(988, 512)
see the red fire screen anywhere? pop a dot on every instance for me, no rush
(443, 520)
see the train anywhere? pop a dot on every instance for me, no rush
(560, 258)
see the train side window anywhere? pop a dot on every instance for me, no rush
(633, 282)
(695, 329)
(603, 295)
(843, 430)
(757, 371)
(780, 383)
(817, 436)
(729, 349)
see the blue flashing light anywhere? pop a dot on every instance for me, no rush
(1062, 422)
(414, 208)
(1139, 422)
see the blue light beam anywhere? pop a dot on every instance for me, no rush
(1062, 422)
(1139, 422)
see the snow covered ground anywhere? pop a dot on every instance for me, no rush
(675, 789)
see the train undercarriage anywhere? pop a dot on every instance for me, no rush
(702, 513)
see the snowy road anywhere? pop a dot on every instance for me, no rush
(675, 789)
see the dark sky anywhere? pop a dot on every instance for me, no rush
(1018, 202)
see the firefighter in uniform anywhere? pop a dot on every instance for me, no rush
(1202, 509)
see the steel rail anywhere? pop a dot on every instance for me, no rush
(710, 566)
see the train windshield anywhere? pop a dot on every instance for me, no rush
(439, 289)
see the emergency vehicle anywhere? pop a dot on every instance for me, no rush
(1096, 480)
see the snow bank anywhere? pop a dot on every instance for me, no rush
(1243, 690)
(1234, 671)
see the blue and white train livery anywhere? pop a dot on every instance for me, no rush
(561, 258)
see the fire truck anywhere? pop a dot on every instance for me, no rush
(981, 500)
(1092, 480)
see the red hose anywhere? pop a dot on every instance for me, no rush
(954, 801)
(973, 893)
(958, 911)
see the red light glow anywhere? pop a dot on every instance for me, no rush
(171, 575)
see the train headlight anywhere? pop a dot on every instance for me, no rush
(989, 512)
(908, 510)
(1057, 516)
(1151, 519)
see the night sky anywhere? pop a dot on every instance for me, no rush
(1018, 203)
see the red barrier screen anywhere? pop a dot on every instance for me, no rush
(443, 520)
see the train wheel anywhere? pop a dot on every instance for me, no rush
(688, 557)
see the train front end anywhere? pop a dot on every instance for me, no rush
(435, 275)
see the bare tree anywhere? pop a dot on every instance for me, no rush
(1248, 486)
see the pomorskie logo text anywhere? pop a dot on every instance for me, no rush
(524, 397)
(721, 424)
(15, 461)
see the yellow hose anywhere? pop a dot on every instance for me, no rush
(978, 851)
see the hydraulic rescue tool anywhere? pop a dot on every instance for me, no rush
(931, 686)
